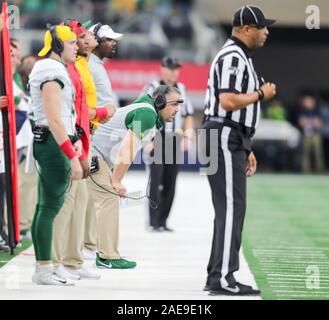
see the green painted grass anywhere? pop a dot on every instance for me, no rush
(6, 257)
(286, 235)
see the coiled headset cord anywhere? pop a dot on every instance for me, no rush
(153, 204)
(69, 185)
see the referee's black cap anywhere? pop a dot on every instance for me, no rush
(170, 63)
(251, 15)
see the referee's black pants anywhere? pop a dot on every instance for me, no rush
(228, 187)
(163, 181)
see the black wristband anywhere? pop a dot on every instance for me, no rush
(260, 94)
(74, 139)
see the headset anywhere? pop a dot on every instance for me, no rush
(57, 44)
(160, 100)
(96, 29)
(67, 21)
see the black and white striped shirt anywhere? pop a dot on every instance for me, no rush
(232, 70)
(185, 109)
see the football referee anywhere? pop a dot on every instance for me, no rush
(232, 110)
(172, 139)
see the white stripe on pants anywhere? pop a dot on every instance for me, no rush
(229, 205)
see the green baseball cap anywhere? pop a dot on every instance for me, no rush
(87, 24)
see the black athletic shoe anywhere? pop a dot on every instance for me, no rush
(161, 229)
(206, 287)
(165, 228)
(155, 229)
(238, 289)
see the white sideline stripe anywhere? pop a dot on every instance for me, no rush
(286, 249)
(301, 262)
(293, 275)
(279, 265)
(229, 204)
(299, 295)
(285, 280)
(279, 254)
(291, 280)
(314, 291)
(290, 286)
(282, 268)
(292, 249)
(282, 255)
(297, 262)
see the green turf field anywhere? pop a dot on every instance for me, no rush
(286, 235)
(5, 257)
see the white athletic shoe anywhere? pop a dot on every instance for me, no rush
(77, 274)
(89, 254)
(67, 273)
(44, 276)
(88, 274)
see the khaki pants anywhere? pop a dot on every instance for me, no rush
(107, 212)
(69, 224)
(27, 186)
(90, 236)
(311, 144)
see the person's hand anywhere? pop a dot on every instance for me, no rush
(103, 120)
(85, 168)
(110, 113)
(111, 110)
(119, 188)
(251, 165)
(76, 170)
(78, 147)
(3, 102)
(269, 90)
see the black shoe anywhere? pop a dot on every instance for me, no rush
(155, 229)
(165, 228)
(161, 229)
(238, 289)
(206, 287)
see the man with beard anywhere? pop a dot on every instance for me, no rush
(107, 42)
(163, 173)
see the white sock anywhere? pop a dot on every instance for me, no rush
(46, 268)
